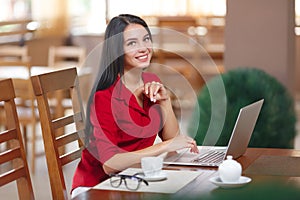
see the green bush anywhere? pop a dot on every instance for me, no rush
(275, 126)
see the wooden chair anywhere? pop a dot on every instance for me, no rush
(56, 131)
(13, 156)
(62, 57)
(14, 53)
(66, 56)
(25, 103)
(175, 41)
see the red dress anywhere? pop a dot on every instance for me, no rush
(120, 125)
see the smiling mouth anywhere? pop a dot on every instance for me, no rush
(142, 58)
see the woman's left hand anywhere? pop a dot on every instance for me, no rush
(180, 142)
(156, 91)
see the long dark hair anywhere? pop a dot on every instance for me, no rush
(112, 59)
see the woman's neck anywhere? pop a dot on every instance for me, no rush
(132, 79)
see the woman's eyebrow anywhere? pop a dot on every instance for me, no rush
(147, 35)
(135, 38)
(130, 39)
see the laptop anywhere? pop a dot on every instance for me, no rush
(213, 156)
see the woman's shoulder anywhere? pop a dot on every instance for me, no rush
(104, 93)
(148, 77)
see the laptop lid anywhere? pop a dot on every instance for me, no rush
(243, 129)
(237, 144)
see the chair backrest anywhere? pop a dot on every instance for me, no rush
(13, 157)
(14, 52)
(66, 56)
(21, 71)
(57, 133)
(21, 80)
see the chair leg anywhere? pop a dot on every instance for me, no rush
(24, 129)
(33, 148)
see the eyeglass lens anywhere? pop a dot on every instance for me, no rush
(131, 183)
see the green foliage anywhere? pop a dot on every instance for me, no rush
(275, 126)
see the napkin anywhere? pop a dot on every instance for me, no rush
(176, 179)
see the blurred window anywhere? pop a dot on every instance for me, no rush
(91, 15)
(14, 10)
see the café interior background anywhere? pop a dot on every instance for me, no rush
(82, 23)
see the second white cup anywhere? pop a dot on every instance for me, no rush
(152, 166)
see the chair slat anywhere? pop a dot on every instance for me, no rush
(66, 120)
(63, 121)
(12, 175)
(8, 135)
(9, 155)
(66, 139)
(69, 157)
(13, 32)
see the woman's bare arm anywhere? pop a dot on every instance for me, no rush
(122, 161)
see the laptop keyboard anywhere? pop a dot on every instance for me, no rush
(214, 157)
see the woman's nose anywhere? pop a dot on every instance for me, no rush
(142, 47)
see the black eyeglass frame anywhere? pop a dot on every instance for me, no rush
(123, 177)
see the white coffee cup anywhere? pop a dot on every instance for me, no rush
(152, 166)
(230, 170)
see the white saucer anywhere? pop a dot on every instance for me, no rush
(243, 181)
(159, 177)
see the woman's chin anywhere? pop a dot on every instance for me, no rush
(144, 65)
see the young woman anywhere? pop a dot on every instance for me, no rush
(128, 107)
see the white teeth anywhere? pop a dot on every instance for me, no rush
(142, 57)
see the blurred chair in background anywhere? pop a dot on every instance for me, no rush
(66, 56)
(62, 57)
(13, 161)
(175, 42)
(275, 127)
(20, 73)
(65, 131)
(14, 53)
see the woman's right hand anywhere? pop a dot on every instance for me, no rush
(181, 142)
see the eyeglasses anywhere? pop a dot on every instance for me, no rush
(131, 182)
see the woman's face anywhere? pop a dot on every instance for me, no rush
(137, 47)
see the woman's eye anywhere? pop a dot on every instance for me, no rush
(132, 43)
(147, 39)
